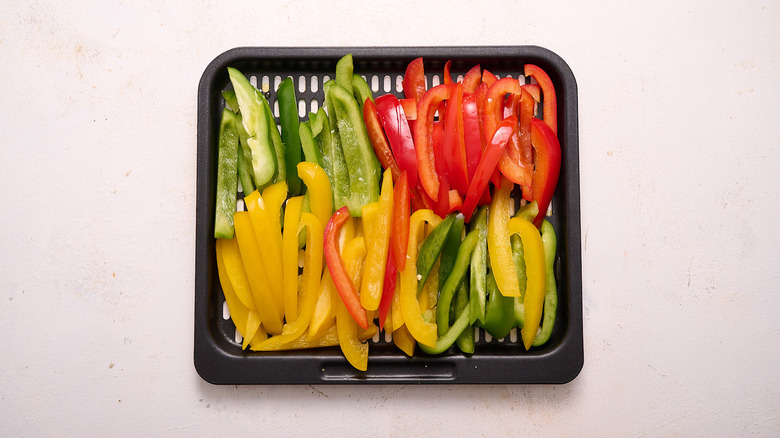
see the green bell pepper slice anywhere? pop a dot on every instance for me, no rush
(499, 311)
(550, 242)
(289, 120)
(430, 250)
(466, 340)
(454, 280)
(478, 275)
(227, 176)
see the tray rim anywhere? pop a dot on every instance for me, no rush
(219, 366)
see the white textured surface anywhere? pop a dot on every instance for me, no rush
(679, 147)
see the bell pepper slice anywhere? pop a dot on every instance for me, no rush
(355, 351)
(442, 204)
(388, 290)
(499, 248)
(410, 108)
(414, 80)
(548, 166)
(550, 242)
(254, 117)
(344, 286)
(533, 250)
(499, 310)
(227, 171)
(234, 269)
(527, 212)
(292, 215)
(376, 257)
(550, 102)
(310, 284)
(466, 339)
(399, 235)
(289, 121)
(404, 340)
(362, 164)
(422, 331)
(361, 90)
(431, 249)
(261, 213)
(245, 319)
(378, 139)
(344, 72)
(423, 134)
(478, 274)
(268, 309)
(309, 146)
(488, 77)
(445, 342)
(446, 76)
(396, 314)
(328, 339)
(449, 250)
(332, 158)
(399, 135)
(454, 281)
(494, 103)
(487, 164)
(318, 185)
(324, 315)
(245, 173)
(472, 79)
(472, 138)
(454, 143)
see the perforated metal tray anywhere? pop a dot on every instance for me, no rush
(218, 357)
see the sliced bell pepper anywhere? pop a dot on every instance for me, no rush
(344, 72)
(494, 103)
(399, 235)
(362, 164)
(404, 340)
(317, 184)
(378, 139)
(234, 269)
(255, 120)
(245, 173)
(548, 166)
(324, 315)
(447, 77)
(261, 217)
(310, 285)
(449, 250)
(227, 172)
(274, 196)
(410, 108)
(499, 247)
(246, 320)
(499, 310)
(376, 256)
(422, 331)
(550, 102)
(550, 242)
(306, 341)
(472, 137)
(454, 281)
(444, 342)
(355, 351)
(361, 90)
(414, 80)
(478, 273)
(430, 250)
(333, 160)
(423, 134)
(268, 309)
(442, 205)
(388, 290)
(399, 135)
(289, 120)
(292, 215)
(472, 79)
(487, 164)
(488, 77)
(533, 250)
(466, 340)
(454, 143)
(338, 272)
(311, 150)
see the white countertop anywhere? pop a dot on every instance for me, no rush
(679, 149)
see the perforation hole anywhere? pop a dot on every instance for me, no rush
(388, 337)
(387, 84)
(277, 82)
(238, 338)
(314, 85)
(225, 311)
(435, 80)
(314, 105)
(253, 80)
(375, 84)
(265, 84)
(488, 337)
(301, 107)
(399, 83)
(513, 335)
(459, 78)
(276, 108)
(301, 84)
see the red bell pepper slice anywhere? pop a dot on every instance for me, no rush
(534, 89)
(488, 78)
(442, 204)
(514, 164)
(494, 103)
(378, 139)
(447, 77)
(426, 162)
(548, 166)
(455, 202)
(524, 116)
(472, 137)
(487, 164)
(414, 80)
(454, 143)
(338, 271)
(550, 102)
(399, 234)
(410, 108)
(472, 79)
(393, 119)
(388, 290)
(481, 94)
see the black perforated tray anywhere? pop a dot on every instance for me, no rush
(218, 357)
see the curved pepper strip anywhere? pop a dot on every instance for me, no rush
(423, 137)
(376, 257)
(550, 110)
(430, 250)
(399, 235)
(499, 247)
(472, 79)
(548, 166)
(478, 274)
(355, 351)
(466, 339)
(513, 169)
(454, 280)
(267, 307)
(246, 320)
(274, 197)
(454, 143)
(404, 340)
(379, 140)
(318, 185)
(550, 242)
(533, 250)
(261, 217)
(444, 342)
(423, 332)
(324, 315)
(392, 116)
(234, 269)
(305, 341)
(338, 272)
(292, 215)
(499, 310)
(310, 285)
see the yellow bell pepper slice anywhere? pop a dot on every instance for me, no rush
(424, 332)
(310, 285)
(292, 215)
(260, 215)
(256, 273)
(234, 268)
(246, 321)
(328, 339)
(499, 245)
(395, 307)
(355, 351)
(324, 316)
(533, 254)
(274, 197)
(404, 340)
(318, 187)
(374, 271)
